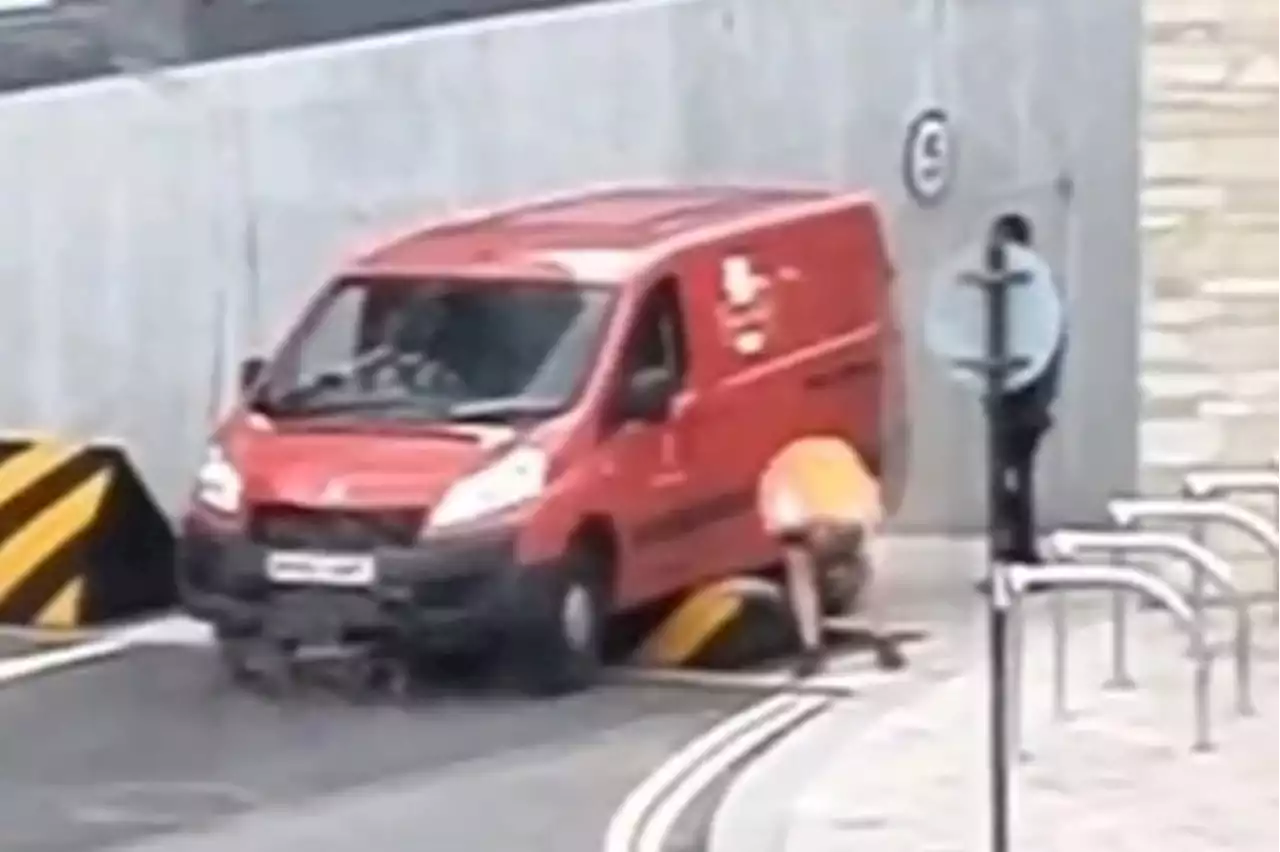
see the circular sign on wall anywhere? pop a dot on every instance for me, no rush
(927, 157)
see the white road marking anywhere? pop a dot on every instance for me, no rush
(171, 630)
(177, 630)
(25, 6)
(649, 813)
(629, 819)
(835, 684)
(43, 662)
(663, 816)
(164, 630)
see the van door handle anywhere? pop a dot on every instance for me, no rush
(669, 472)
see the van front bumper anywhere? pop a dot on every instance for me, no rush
(452, 593)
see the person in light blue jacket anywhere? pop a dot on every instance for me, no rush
(1028, 414)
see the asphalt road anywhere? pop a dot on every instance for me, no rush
(154, 751)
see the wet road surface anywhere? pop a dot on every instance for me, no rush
(155, 750)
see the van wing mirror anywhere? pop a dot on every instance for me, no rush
(647, 394)
(251, 370)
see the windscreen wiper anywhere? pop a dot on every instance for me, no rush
(502, 410)
(375, 405)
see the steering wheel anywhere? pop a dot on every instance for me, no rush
(437, 378)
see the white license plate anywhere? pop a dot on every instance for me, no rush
(321, 569)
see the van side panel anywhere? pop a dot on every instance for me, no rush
(819, 371)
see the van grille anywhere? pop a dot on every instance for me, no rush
(296, 528)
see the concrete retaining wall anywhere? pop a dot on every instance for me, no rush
(156, 230)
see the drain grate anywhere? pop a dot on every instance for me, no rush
(161, 804)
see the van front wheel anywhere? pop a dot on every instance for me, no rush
(560, 649)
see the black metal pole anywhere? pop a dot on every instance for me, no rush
(997, 366)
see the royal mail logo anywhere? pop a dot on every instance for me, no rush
(746, 306)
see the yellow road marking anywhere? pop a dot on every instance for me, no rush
(64, 609)
(25, 551)
(683, 633)
(21, 471)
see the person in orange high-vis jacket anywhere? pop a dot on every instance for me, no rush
(820, 501)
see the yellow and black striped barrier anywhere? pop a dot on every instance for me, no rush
(81, 540)
(728, 624)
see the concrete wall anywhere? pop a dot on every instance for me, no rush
(137, 210)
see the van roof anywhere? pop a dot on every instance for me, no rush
(594, 234)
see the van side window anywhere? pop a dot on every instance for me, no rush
(339, 333)
(658, 337)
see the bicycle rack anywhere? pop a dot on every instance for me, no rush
(1203, 500)
(1130, 512)
(1202, 484)
(1206, 566)
(1221, 482)
(1060, 576)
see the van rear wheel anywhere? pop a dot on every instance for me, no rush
(561, 648)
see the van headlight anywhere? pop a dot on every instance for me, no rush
(515, 478)
(218, 483)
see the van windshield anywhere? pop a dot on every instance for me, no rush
(439, 349)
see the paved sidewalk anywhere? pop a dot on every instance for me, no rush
(1119, 775)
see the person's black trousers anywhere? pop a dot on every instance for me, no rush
(1017, 508)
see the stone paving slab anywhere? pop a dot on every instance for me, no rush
(1118, 775)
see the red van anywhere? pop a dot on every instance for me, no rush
(510, 427)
